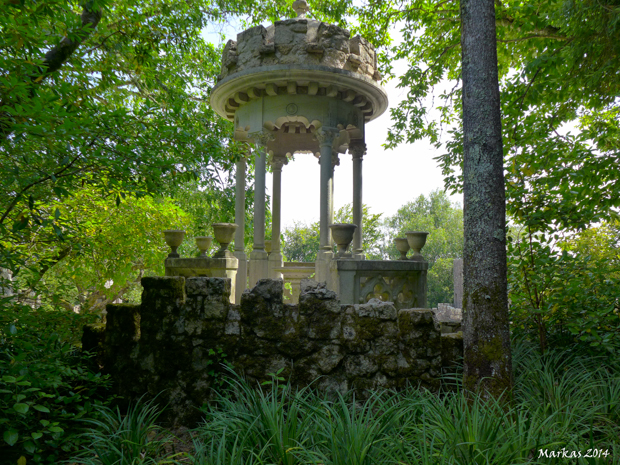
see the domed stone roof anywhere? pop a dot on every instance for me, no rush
(299, 56)
(300, 41)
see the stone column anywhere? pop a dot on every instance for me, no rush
(330, 219)
(258, 257)
(326, 137)
(275, 258)
(357, 149)
(242, 271)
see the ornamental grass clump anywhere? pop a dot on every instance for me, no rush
(564, 406)
(130, 439)
(257, 424)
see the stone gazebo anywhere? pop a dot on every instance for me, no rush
(304, 86)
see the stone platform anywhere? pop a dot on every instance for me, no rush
(402, 282)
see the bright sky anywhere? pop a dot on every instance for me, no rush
(390, 177)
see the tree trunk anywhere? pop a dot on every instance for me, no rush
(486, 337)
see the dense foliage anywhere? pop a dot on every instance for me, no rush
(46, 385)
(107, 137)
(564, 289)
(125, 113)
(558, 63)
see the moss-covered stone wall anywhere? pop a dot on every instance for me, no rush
(177, 340)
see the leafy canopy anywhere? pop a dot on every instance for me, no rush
(558, 65)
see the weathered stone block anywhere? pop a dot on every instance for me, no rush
(122, 323)
(328, 358)
(451, 349)
(376, 308)
(214, 288)
(360, 365)
(169, 286)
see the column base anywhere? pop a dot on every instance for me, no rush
(258, 267)
(322, 273)
(275, 261)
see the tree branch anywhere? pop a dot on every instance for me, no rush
(534, 36)
(59, 54)
(34, 183)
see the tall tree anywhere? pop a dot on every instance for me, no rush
(486, 335)
(558, 63)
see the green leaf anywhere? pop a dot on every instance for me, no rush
(11, 437)
(41, 408)
(56, 429)
(9, 379)
(36, 435)
(21, 408)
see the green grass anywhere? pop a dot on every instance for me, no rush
(561, 400)
(133, 438)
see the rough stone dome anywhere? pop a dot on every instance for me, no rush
(296, 57)
(300, 41)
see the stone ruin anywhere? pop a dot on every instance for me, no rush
(299, 86)
(178, 339)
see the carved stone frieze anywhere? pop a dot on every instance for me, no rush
(300, 41)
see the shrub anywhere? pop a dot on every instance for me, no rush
(45, 385)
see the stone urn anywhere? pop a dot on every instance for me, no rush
(268, 246)
(203, 243)
(174, 238)
(224, 234)
(343, 235)
(402, 245)
(416, 240)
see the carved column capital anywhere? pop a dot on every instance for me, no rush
(326, 136)
(262, 138)
(278, 162)
(357, 149)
